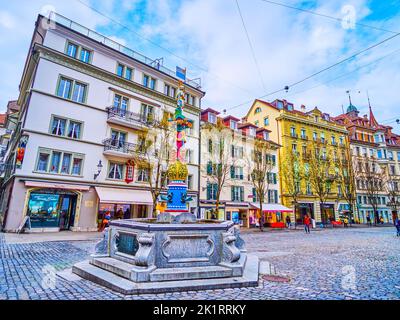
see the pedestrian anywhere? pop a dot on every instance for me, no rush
(306, 222)
(345, 222)
(119, 214)
(397, 224)
(381, 220)
(106, 220)
(369, 220)
(288, 222)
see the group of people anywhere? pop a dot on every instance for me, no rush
(120, 214)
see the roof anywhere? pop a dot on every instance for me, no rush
(232, 118)
(2, 119)
(209, 110)
(12, 107)
(262, 129)
(247, 124)
(351, 108)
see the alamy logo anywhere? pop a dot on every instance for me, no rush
(349, 278)
(349, 17)
(49, 277)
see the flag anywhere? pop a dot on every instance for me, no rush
(181, 73)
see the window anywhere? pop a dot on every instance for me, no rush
(212, 189)
(173, 92)
(118, 138)
(390, 155)
(212, 118)
(341, 140)
(233, 125)
(115, 171)
(379, 153)
(72, 50)
(315, 136)
(124, 71)
(266, 121)
(252, 131)
(167, 89)
(258, 110)
(189, 156)
(290, 107)
(237, 173)
(78, 52)
(237, 193)
(43, 162)
(71, 89)
(303, 133)
(333, 140)
(85, 55)
(121, 104)
(58, 126)
(74, 130)
(143, 175)
(79, 92)
(293, 131)
(64, 88)
(66, 163)
(266, 135)
(236, 152)
(149, 82)
(147, 113)
(59, 162)
(256, 123)
(280, 105)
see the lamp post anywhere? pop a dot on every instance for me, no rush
(99, 167)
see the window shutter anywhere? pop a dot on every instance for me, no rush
(276, 196)
(233, 193)
(273, 160)
(274, 178)
(232, 151)
(232, 172)
(269, 196)
(254, 195)
(241, 194)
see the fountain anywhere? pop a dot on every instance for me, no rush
(175, 251)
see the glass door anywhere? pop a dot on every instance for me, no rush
(67, 211)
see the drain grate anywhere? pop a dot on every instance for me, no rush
(275, 278)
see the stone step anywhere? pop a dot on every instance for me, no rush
(115, 266)
(173, 274)
(114, 282)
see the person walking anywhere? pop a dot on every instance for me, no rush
(345, 222)
(288, 222)
(397, 224)
(307, 222)
(369, 220)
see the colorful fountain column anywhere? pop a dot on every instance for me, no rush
(177, 172)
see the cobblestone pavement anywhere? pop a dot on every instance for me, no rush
(319, 265)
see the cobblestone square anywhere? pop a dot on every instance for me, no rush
(353, 263)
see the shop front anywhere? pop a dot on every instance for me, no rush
(304, 208)
(274, 214)
(123, 203)
(237, 212)
(52, 206)
(328, 213)
(207, 211)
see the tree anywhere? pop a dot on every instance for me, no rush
(319, 173)
(370, 178)
(153, 154)
(347, 178)
(292, 174)
(260, 168)
(217, 139)
(393, 190)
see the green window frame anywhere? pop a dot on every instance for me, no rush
(71, 128)
(59, 162)
(78, 52)
(71, 89)
(124, 71)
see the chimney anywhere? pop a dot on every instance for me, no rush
(303, 108)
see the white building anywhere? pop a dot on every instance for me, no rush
(238, 201)
(85, 100)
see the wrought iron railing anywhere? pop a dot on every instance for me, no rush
(132, 117)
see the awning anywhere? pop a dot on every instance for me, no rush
(237, 204)
(51, 185)
(271, 207)
(125, 196)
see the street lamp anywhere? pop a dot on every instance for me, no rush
(99, 167)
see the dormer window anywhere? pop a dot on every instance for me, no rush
(212, 118)
(266, 135)
(279, 104)
(316, 118)
(290, 107)
(233, 125)
(252, 132)
(258, 110)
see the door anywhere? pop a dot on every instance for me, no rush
(67, 211)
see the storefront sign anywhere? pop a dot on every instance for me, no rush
(89, 204)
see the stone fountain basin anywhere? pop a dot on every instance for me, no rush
(168, 245)
(147, 256)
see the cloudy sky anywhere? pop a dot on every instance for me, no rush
(208, 37)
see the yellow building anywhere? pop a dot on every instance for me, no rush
(300, 133)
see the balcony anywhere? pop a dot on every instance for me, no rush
(114, 147)
(304, 137)
(294, 135)
(129, 119)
